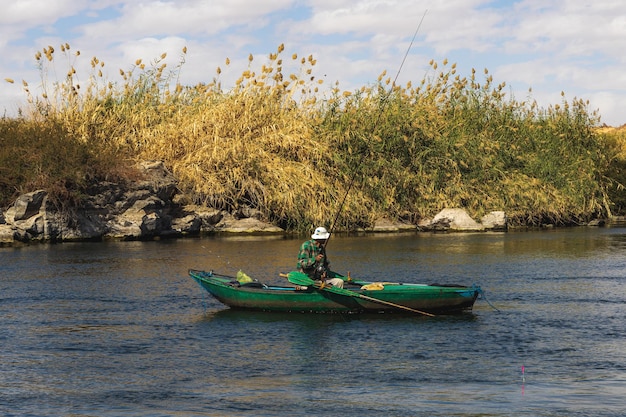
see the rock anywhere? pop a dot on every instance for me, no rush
(103, 194)
(83, 226)
(145, 209)
(30, 219)
(191, 224)
(441, 225)
(35, 227)
(153, 224)
(455, 219)
(246, 212)
(230, 224)
(495, 220)
(7, 235)
(26, 206)
(146, 218)
(458, 220)
(210, 218)
(159, 180)
(193, 219)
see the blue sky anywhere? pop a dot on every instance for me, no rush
(571, 46)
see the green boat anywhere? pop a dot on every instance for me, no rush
(306, 295)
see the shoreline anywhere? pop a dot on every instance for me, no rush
(153, 209)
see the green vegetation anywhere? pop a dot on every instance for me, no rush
(615, 141)
(271, 143)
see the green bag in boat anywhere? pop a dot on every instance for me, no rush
(242, 278)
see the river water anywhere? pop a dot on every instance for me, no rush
(119, 329)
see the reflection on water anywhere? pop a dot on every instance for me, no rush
(119, 329)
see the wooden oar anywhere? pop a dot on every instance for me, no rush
(302, 279)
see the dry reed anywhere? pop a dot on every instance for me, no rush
(274, 142)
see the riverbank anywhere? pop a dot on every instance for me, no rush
(153, 208)
(275, 149)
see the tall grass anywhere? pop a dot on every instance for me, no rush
(615, 141)
(274, 142)
(45, 154)
(455, 142)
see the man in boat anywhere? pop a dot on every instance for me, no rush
(312, 259)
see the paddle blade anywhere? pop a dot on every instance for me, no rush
(299, 278)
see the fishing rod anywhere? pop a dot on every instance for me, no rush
(380, 112)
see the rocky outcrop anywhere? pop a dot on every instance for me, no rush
(148, 209)
(452, 219)
(457, 219)
(145, 209)
(26, 211)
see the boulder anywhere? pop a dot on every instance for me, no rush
(144, 219)
(455, 219)
(190, 224)
(231, 224)
(33, 228)
(193, 219)
(83, 226)
(245, 220)
(26, 206)
(209, 217)
(7, 235)
(30, 219)
(495, 220)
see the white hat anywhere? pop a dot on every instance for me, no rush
(320, 234)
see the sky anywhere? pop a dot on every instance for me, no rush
(539, 48)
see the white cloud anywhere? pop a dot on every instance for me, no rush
(30, 13)
(154, 18)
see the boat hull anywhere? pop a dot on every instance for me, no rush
(428, 298)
